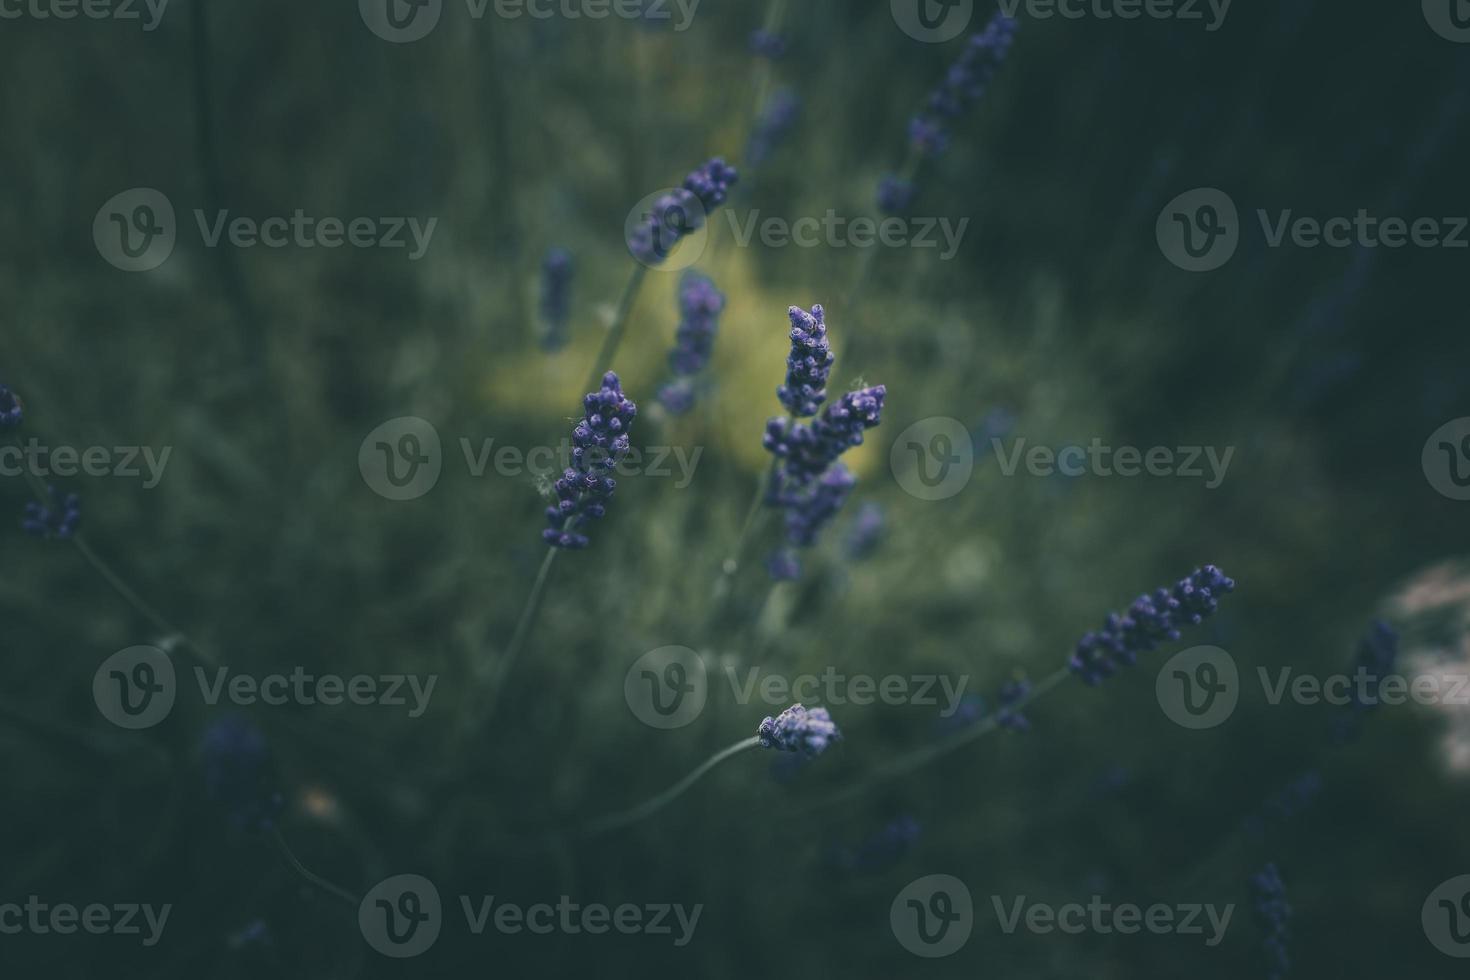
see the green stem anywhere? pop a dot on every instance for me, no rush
(136, 601)
(623, 818)
(910, 761)
(335, 891)
(522, 631)
(731, 564)
(614, 337)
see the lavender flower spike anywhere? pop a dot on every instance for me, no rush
(963, 85)
(700, 305)
(809, 363)
(599, 442)
(58, 517)
(239, 776)
(556, 297)
(799, 730)
(1273, 913)
(11, 411)
(1151, 620)
(806, 451)
(775, 121)
(681, 212)
(806, 516)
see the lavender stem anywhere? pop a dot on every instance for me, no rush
(619, 326)
(518, 638)
(623, 818)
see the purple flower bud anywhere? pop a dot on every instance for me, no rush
(556, 297)
(808, 364)
(867, 531)
(767, 44)
(799, 730)
(1268, 894)
(1011, 716)
(1150, 621)
(963, 85)
(811, 509)
(775, 122)
(807, 450)
(895, 196)
(599, 442)
(783, 565)
(239, 775)
(681, 212)
(11, 409)
(57, 518)
(700, 305)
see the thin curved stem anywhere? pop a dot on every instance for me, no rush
(522, 631)
(623, 818)
(336, 891)
(137, 602)
(614, 337)
(911, 761)
(731, 564)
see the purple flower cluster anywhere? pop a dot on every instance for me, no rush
(767, 44)
(599, 442)
(963, 85)
(700, 306)
(806, 450)
(556, 297)
(58, 517)
(775, 122)
(895, 195)
(798, 729)
(867, 531)
(681, 212)
(808, 364)
(1377, 655)
(1151, 620)
(239, 776)
(1268, 894)
(880, 850)
(11, 410)
(1011, 716)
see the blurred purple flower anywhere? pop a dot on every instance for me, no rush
(895, 195)
(11, 410)
(1151, 620)
(1273, 913)
(963, 85)
(700, 305)
(58, 517)
(681, 212)
(767, 44)
(775, 122)
(556, 297)
(239, 774)
(868, 528)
